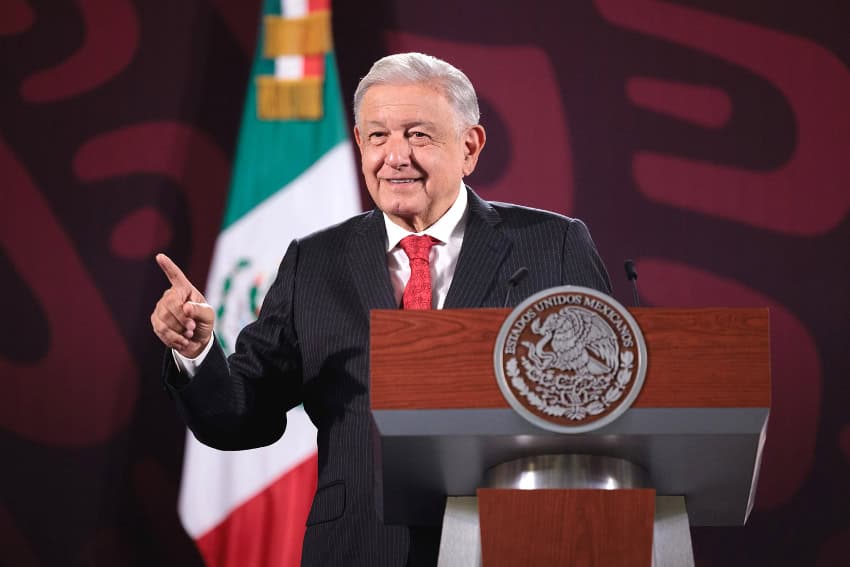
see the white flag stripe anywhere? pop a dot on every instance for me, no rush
(325, 194)
(220, 483)
(289, 67)
(294, 8)
(216, 482)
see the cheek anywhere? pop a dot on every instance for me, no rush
(370, 162)
(376, 158)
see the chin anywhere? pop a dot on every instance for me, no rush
(401, 203)
(403, 210)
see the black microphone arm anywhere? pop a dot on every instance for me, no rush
(514, 280)
(631, 275)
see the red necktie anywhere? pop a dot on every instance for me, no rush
(417, 293)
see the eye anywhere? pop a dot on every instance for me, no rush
(419, 138)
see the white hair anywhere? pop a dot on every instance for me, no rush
(418, 68)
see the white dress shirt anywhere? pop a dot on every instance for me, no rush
(448, 230)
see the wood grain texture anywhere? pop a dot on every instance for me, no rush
(566, 527)
(443, 359)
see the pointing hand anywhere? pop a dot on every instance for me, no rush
(182, 318)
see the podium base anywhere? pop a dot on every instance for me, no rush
(671, 533)
(460, 543)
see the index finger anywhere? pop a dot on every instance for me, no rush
(174, 274)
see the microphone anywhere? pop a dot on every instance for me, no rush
(631, 275)
(514, 280)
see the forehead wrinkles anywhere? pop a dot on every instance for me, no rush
(381, 102)
(388, 108)
(452, 126)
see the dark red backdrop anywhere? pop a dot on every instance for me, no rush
(708, 140)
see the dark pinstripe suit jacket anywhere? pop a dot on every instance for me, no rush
(310, 346)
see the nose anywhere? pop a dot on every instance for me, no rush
(397, 152)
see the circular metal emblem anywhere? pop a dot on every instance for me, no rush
(570, 359)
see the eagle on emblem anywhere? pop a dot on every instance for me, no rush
(579, 341)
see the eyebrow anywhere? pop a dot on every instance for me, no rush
(406, 125)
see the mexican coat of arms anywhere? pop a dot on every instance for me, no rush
(570, 359)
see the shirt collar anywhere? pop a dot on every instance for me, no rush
(441, 230)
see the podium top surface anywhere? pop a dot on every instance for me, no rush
(710, 357)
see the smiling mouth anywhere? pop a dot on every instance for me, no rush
(401, 181)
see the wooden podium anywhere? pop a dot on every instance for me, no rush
(696, 429)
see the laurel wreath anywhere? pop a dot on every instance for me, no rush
(226, 287)
(575, 411)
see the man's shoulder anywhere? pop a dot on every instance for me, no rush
(514, 210)
(511, 214)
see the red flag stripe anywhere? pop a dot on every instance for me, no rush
(285, 502)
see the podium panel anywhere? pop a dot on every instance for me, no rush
(441, 421)
(593, 528)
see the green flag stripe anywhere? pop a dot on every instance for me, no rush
(272, 153)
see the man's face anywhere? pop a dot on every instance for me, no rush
(413, 152)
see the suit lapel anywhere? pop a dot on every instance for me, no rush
(484, 248)
(367, 260)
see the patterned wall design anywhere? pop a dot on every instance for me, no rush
(707, 140)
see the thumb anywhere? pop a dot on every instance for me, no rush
(202, 313)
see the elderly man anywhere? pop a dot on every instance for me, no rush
(430, 243)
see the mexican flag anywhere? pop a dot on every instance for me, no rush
(293, 175)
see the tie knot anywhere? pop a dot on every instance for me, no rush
(417, 247)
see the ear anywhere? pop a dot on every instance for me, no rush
(473, 143)
(357, 138)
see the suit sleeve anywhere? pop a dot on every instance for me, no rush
(581, 263)
(240, 402)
